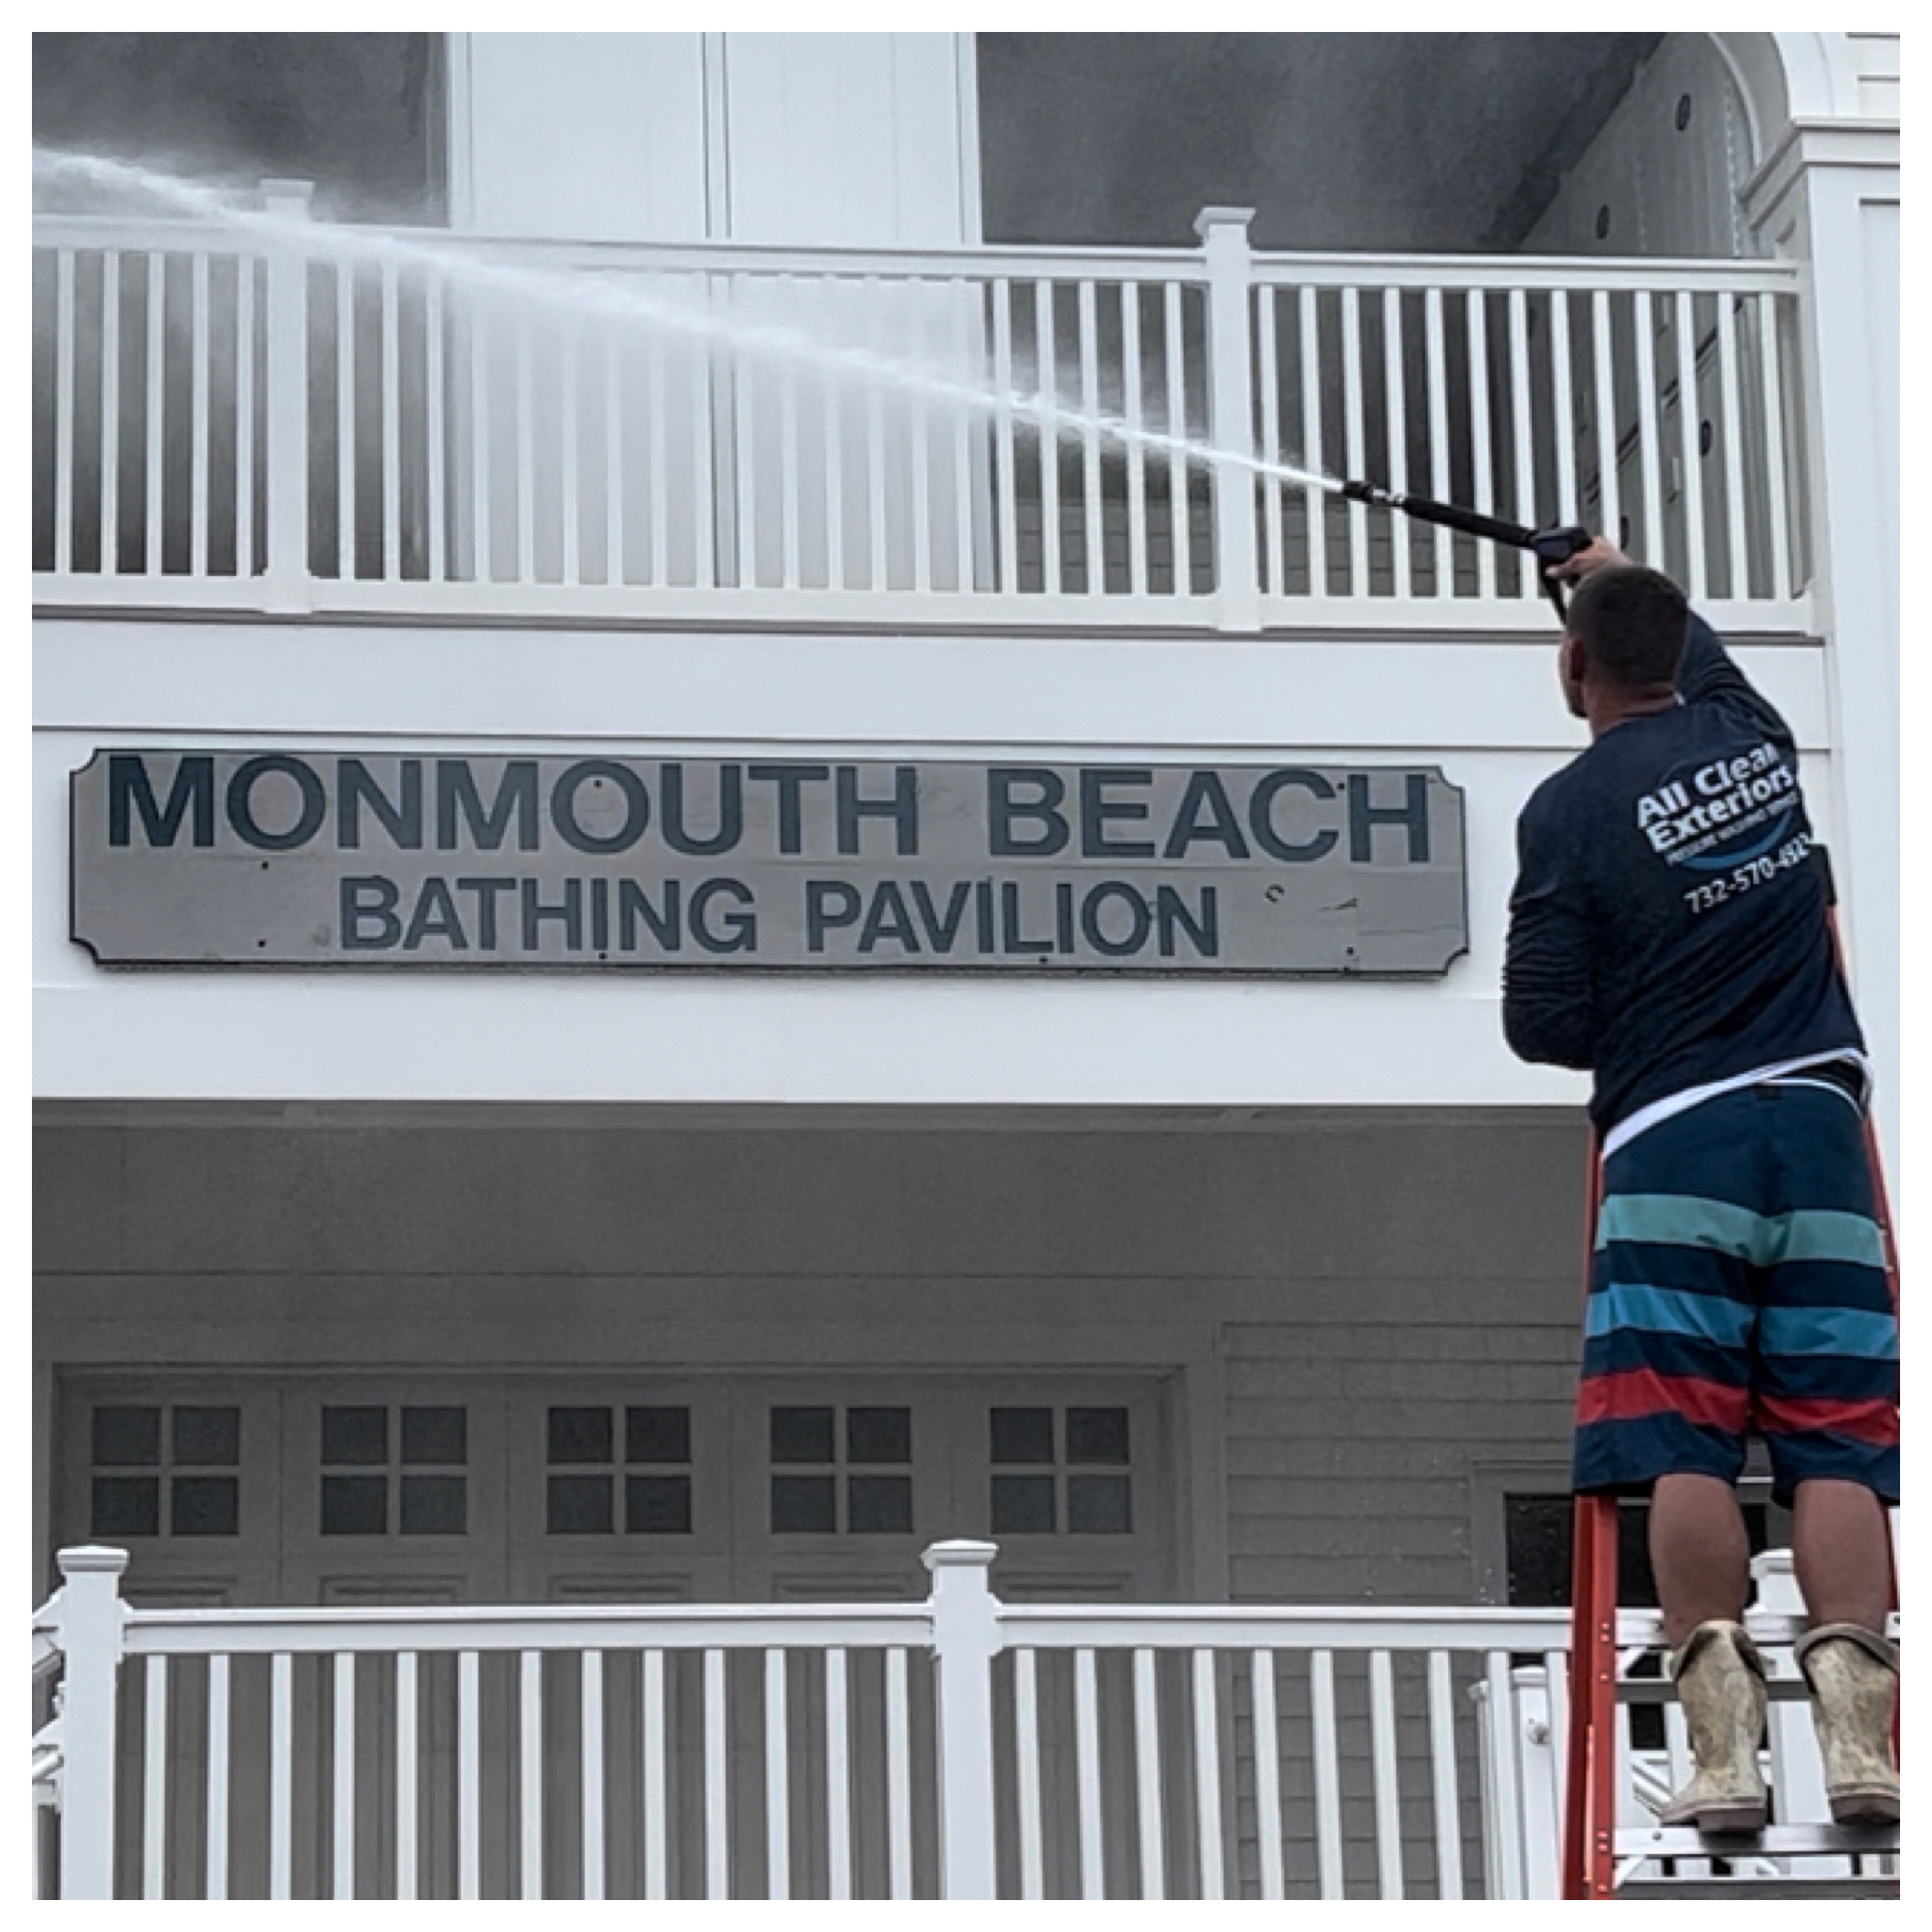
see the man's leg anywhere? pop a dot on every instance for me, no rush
(1698, 1553)
(1842, 1544)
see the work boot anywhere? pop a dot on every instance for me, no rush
(1852, 1674)
(1720, 1684)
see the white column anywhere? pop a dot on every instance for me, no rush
(1831, 194)
(1231, 413)
(965, 1637)
(90, 1641)
(285, 426)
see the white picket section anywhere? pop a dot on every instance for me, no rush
(472, 427)
(962, 1746)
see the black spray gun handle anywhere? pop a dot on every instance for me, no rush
(1554, 546)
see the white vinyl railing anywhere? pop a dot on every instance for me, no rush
(275, 415)
(960, 1748)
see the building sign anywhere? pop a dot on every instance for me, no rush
(362, 858)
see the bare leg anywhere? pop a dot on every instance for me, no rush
(1842, 1546)
(1699, 1553)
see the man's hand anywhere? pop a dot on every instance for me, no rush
(1601, 554)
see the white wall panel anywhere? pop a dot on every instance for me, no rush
(581, 136)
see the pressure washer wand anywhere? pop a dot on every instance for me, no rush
(1554, 546)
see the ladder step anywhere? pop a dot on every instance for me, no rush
(1789, 1885)
(1774, 1841)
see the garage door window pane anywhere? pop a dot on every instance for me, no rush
(579, 1435)
(1097, 1435)
(802, 1435)
(355, 1505)
(878, 1435)
(1022, 1435)
(1023, 1506)
(355, 1434)
(127, 1438)
(205, 1506)
(879, 1505)
(657, 1505)
(208, 1438)
(435, 1435)
(126, 1506)
(433, 1505)
(802, 1505)
(580, 1506)
(657, 1435)
(1099, 1506)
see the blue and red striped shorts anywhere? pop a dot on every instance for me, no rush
(1738, 1288)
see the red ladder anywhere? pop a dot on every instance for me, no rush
(1588, 1849)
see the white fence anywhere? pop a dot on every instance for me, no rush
(277, 417)
(962, 1747)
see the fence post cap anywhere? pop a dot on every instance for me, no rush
(959, 1553)
(83, 1559)
(1221, 217)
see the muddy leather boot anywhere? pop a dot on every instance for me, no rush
(1852, 1674)
(1719, 1678)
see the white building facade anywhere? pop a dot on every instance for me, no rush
(426, 1218)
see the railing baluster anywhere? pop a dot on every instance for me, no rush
(1146, 1776)
(1355, 433)
(530, 1774)
(469, 1779)
(281, 1755)
(1564, 416)
(1778, 509)
(392, 298)
(1483, 475)
(717, 1852)
(1648, 416)
(1385, 1767)
(525, 464)
(1328, 1774)
(109, 413)
(154, 425)
(1522, 414)
(409, 1774)
(591, 1756)
(346, 366)
(1269, 1822)
(1604, 368)
(1090, 479)
(898, 1775)
(878, 576)
(1310, 345)
(342, 1797)
(1442, 1766)
(1026, 1767)
(919, 409)
(1690, 427)
(570, 480)
(1179, 500)
(778, 1784)
(435, 451)
(744, 458)
(838, 1779)
(153, 1790)
(1133, 403)
(611, 395)
(1438, 363)
(483, 565)
(1214, 1875)
(656, 1778)
(657, 567)
(1049, 424)
(705, 508)
(833, 303)
(1006, 482)
(1738, 579)
(788, 478)
(1268, 403)
(1087, 1773)
(219, 1747)
(64, 334)
(959, 294)
(1397, 422)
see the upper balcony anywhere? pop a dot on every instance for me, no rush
(261, 413)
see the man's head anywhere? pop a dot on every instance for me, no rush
(1622, 638)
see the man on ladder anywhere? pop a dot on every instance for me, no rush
(1669, 932)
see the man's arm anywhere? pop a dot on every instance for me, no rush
(1708, 673)
(1549, 1012)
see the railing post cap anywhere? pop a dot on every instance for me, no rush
(85, 1559)
(959, 1553)
(1221, 217)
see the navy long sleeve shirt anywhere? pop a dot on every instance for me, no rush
(1667, 928)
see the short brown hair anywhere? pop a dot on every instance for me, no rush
(1631, 621)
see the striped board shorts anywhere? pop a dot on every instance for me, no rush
(1738, 1288)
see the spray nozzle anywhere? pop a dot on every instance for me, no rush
(1371, 493)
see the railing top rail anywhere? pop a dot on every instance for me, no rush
(1323, 1628)
(1528, 272)
(534, 1626)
